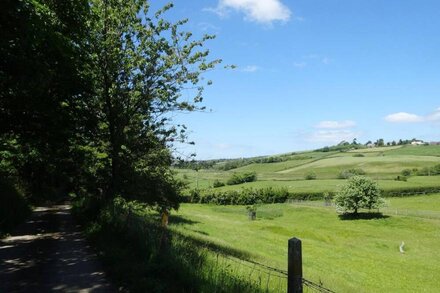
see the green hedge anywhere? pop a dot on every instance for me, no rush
(249, 196)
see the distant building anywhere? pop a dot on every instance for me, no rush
(434, 143)
(417, 142)
(371, 145)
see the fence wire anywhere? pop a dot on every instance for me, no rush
(316, 287)
(279, 273)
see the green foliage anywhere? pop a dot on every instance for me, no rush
(86, 93)
(218, 183)
(358, 155)
(140, 256)
(346, 174)
(429, 171)
(359, 193)
(310, 175)
(245, 196)
(341, 147)
(239, 178)
(406, 172)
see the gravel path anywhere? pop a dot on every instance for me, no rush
(49, 254)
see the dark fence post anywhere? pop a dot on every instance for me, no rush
(294, 269)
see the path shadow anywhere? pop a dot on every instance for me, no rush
(49, 254)
(363, 216)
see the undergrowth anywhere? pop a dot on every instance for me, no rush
(141, 256)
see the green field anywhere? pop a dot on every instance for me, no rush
(345, 255)
(382, 164)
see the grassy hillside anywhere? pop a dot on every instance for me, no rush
(346, 256)
(383, 164)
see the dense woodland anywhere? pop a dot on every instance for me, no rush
(86, 93)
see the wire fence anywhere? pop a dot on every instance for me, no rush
(273, 279)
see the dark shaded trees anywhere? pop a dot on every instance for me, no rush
(42, 89)
(87, 92)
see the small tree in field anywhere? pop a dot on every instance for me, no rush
(360, 192)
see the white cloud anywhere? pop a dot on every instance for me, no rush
(404, 117)
(335, 124)
(332, 136)
(250, 68)
(262, 11)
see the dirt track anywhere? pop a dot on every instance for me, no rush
(48, 254)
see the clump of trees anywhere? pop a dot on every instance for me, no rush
(359, 193)
(239, 178)
(310, 175)
(87, 89)
(348, 173)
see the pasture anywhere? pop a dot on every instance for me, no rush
(345, 255)
(382, 164)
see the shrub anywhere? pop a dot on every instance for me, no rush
(348, 173)
(237, 178)
(359, 192)
(406, 172)
(218, 183)
(310, 176)
(358, 155)
(401, 178)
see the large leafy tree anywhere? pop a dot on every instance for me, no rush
(360, 192)
(142, 63)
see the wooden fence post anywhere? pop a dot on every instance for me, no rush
(294, 269)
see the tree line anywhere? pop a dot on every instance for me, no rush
(87, 93)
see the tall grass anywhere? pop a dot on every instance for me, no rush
(140, 256)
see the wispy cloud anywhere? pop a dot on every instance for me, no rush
(329, 124)
(250, 68)
(332, 131)
(312, 59)
(261, 11)
(208, 27)
(300, 64)
(333, 136)
(404, 117)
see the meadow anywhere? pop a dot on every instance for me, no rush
(383, 164)
(344, 255)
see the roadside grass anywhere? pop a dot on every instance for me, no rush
(140, 256)
(345, 255)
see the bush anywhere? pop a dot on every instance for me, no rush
(348, 173)
(401, 178)
(429, 171)
(218, 183)
(310, 176)
(360, 192)
(358, 155)
(406, 172)
(242, 178)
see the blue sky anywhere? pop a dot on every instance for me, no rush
(314, 72)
